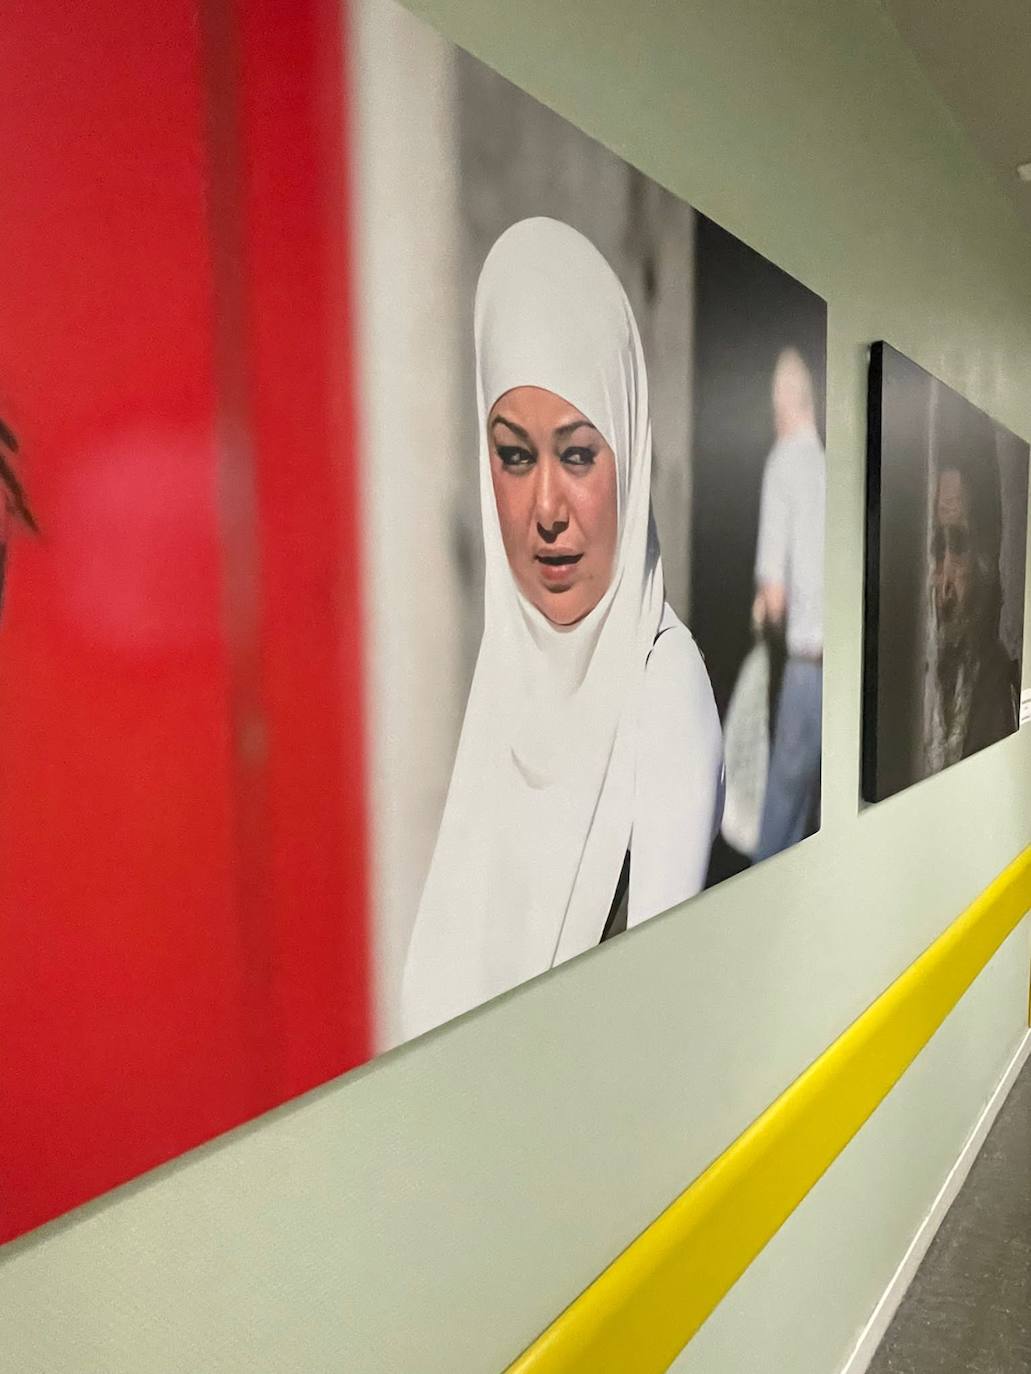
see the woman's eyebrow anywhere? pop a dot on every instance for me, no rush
(564, 431)
(509, 424)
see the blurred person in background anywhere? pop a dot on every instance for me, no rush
(14, 505)
(788, 606)
(973, 686)
(587, 784)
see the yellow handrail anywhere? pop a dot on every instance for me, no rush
(641, 1312)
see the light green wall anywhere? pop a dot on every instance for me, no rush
(804, 1302)
(431, 1213)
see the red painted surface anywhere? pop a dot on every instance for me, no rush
(182, 863)
(294, 199)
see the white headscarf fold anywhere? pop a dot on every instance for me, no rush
(539, 812)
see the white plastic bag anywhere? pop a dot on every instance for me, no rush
(746, 750)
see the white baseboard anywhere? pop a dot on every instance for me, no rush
(874, 1331)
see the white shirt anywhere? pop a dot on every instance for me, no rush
(789, 549)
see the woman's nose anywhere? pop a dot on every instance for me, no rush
(552, 512)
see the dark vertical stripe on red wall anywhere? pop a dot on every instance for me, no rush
(240, 537)
(294, 195)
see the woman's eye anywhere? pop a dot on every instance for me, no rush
(513, 457)
(578, 457)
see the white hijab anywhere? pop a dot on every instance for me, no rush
(539, 812)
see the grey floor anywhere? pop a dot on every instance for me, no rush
(968, 1311)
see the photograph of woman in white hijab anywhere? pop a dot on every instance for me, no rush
(580, 474)
(586, 789)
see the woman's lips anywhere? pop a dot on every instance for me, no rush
(558, 568)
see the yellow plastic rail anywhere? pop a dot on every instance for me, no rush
(640, 1313)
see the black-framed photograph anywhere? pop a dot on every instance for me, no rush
(947, 490)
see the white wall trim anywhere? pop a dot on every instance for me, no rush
(874, 1331)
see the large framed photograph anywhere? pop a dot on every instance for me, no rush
(593, 457)
(947, 491)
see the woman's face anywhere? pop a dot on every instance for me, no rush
(555, 487)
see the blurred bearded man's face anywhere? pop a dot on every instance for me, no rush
(954, 568)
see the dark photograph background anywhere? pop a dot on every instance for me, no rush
(747, 311)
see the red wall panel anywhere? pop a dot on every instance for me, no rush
(182, 899)
(293, 207)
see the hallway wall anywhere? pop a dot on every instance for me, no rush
(432, 1212)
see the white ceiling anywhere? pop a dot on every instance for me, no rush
(978, 54)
